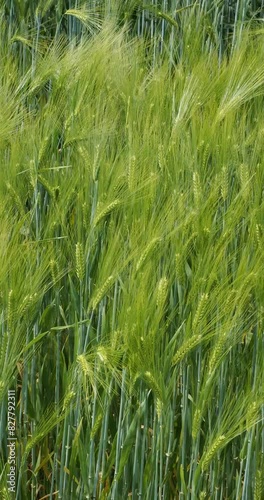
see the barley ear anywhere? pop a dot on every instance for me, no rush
(219, 442)
(106, 211)
(102, 291)
(200, 310)
(162, 292)
(185, 348)
(79, 256)
(258, 489)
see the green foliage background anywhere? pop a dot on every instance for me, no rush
(131, 244)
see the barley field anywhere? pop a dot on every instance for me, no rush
(131, 250)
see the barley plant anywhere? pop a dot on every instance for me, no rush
(132, 235)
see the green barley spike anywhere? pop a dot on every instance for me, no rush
(80, 266)
(154, 385)
(10, 310)
(258, 489)
(16, 199)
(224, 183)
(84, 365)
(215, 447)
(68, 399)
(102, 291)
(159, 407)
(151, 247)
(43, 149)
(32, 173)
(185, 348)
(131, 173)
(85, 215)
(196, 423)
(217, 352)
(5, 494)
(181, 207)
(162, 292)
(96, 164)
(244, 180)
(96, 426)
(196, 188)
(106, 211)
(205, 156)
(252, 414)
(115, 337)
(26, 303)
(200, 146)
(200, 310)
(85, 157)
(258, 233)
(46, 185)
(2, 388)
